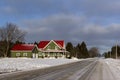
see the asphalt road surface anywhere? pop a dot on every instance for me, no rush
(92, 69)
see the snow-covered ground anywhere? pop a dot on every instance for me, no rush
(20, 64)
(114, 65)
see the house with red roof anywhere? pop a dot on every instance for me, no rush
(52, 48)
(24, 50)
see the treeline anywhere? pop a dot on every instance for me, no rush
(81, 51)
(112, 53)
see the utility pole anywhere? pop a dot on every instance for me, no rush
(116, 50)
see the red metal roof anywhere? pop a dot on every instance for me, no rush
(42, 44)
(23, 47)
(60, 43)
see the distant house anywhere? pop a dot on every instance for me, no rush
(52, 48)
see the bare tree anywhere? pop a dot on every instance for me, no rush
(94, 52)
(11, 33)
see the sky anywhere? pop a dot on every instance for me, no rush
(97, 22)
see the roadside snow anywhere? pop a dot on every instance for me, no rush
(20, 64)
(114, 65)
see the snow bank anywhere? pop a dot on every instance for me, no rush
(20, 64)
(114, 65)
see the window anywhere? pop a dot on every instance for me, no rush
(24, 54)
(48, 48)
(17, 54)
(40, 54)
(56, 48)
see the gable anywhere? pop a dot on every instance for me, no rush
(35, 50)
(58, 43)
(52, 45)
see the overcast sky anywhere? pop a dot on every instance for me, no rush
(97, 22)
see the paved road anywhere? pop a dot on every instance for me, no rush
(92, 69)
(63, 72)
(101, 72)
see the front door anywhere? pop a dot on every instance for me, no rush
(35, 55)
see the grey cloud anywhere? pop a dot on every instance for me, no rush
(74, 29)
(33, 7)
(7, 10)
(99, 7)
(89, 8)
(106, 36)
(57, 26)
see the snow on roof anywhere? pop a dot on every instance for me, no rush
(23, 47)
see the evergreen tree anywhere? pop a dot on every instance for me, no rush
(84, 50)
(113, 51)
(69, 48)
(105, 54)
(19, 42)
(78, 51)
(35, 43)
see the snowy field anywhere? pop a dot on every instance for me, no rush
(114, 65)
(21, 64)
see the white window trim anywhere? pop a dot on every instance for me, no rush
(17, 54)
(25, 54)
